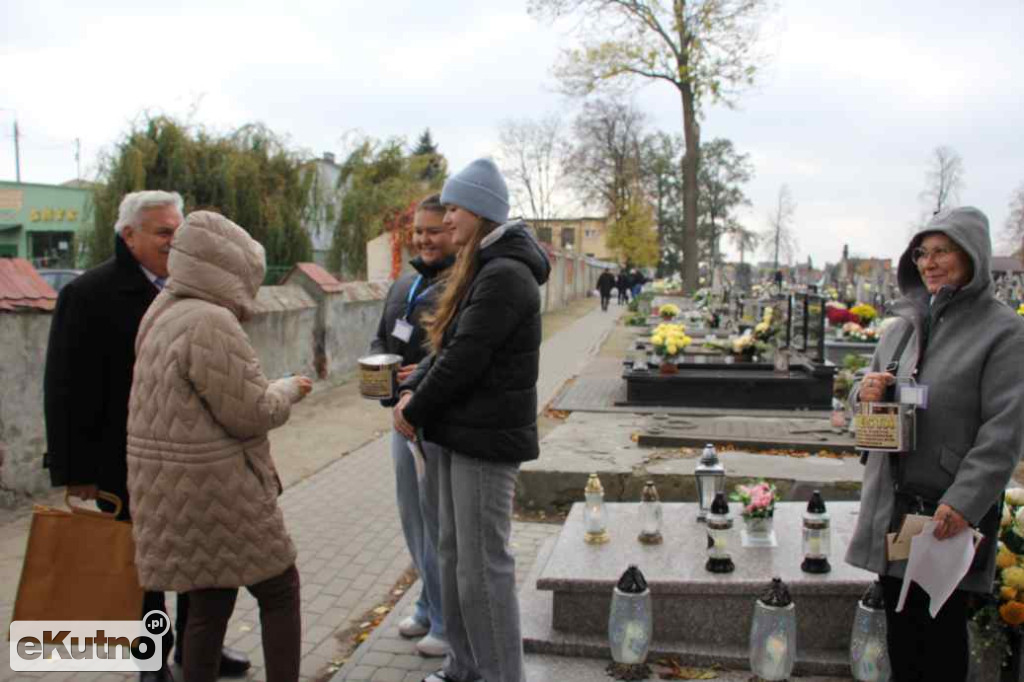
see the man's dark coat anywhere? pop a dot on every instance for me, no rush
(89, 363)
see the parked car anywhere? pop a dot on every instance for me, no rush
(58, 278)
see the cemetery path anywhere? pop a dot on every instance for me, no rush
(334, 459)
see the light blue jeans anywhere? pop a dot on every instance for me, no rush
(417, 510)
(478, 572)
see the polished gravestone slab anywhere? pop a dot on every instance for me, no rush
(702, 617)
(750, 385)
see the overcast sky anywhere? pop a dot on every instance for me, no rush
(854, 99)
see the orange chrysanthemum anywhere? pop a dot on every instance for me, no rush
(1012, 612)
(1007, 593)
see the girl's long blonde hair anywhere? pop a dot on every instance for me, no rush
(456, 283)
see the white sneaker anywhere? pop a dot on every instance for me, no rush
(432, 647)
(410, 627)
(440, 676)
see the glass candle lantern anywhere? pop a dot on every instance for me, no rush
(650, 515)
(817, 536)
(773, 634)
(595, 514)
(720, 537)
(869, 650)
(630, 620)
(710, 476)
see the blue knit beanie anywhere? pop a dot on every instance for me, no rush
(480, 189)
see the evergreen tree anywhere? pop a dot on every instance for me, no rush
(433, 163)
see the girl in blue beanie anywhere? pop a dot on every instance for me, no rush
(476, 396)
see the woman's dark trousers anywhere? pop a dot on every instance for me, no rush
(209, 613)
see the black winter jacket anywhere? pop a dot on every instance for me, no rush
(88, 376)
(478, 394)
(397, 305)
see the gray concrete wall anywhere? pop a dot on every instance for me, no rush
(23, 339)
(293, 331)
(282, 331)
(350, 322)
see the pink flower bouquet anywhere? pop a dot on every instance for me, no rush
(757, 499)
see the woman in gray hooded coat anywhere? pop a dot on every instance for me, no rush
(967, 348)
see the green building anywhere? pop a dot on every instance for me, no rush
(40, 223)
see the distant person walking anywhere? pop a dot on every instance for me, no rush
(476, 396)
(622, 285)
(401, 332)
(605, 284)
(637, 281)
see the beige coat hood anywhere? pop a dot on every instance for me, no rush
(217, 261)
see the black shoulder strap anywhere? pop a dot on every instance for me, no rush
(894, 364)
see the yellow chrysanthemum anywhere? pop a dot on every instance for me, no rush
(1007, 593)
(1005, 558)
(1015, 497)
(1014, 577)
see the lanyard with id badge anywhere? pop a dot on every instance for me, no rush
(403, 327)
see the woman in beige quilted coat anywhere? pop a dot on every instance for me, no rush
(202, 484)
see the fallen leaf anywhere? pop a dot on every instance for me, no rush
(669, 669)
(381, 610)
(245, 628)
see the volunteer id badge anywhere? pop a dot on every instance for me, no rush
(402, 330)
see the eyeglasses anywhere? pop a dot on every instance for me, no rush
(939, 253)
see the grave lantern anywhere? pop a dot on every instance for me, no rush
(869, 650)
(710, 475)
(817, 540)
(630, 620)
(720, 537)
(650, 515)
(773, 634)
(595, 515)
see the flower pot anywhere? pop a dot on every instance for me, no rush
(668, 367)
(758, 531)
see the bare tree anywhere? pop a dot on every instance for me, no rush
(531, 152)
(1015, 221)
(779, 238)
(945, 179)
(606, 161)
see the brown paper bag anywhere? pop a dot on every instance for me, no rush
(79, 565)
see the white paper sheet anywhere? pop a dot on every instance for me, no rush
(417, 457)
(937, 566)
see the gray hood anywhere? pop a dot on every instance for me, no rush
(968, 227)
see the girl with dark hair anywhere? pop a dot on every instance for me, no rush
(476, 397)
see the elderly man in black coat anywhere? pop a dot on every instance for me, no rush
(89, 361)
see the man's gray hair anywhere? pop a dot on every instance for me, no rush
(135, 203)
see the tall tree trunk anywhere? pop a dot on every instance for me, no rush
(691, 133)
